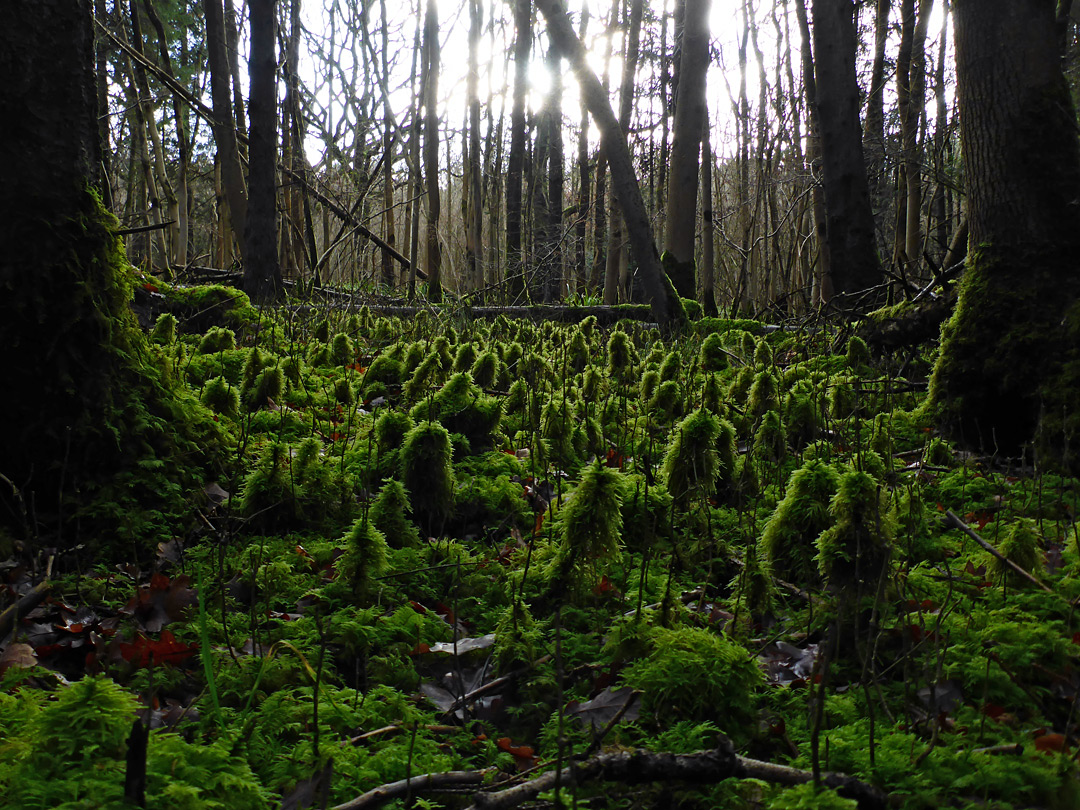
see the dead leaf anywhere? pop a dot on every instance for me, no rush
(603, 708)
(18, 656)
(464, 645)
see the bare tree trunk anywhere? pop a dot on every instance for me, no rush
(707, 271)
(850, 224)
(232, 175)
(262, 268)
(664, 303)
(431, 150)
(553, 271)
(874, 121)
(615, 287)
(600, 219)
(690, 120)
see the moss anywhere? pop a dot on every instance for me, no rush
(164, 331)
(690, 464)
(201, 307)
(461, 407)
(787, 543)
(364, 558)
(646, 514)
(858, 354)
(667, 402)
(465, 357)
(485, 369)
(769, 440)
(1020, 545)
(856, 547)
(342, 350)
(712, 356)
(763, 395)
(220, 397)
(217, 339)
(650, 379)
(389, 514)
(427, 473)
(589, 527)
(763, 354)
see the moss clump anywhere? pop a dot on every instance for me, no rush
(712, 356)
(164, 331)
(485, 369)
(1020, 545)
(770, 441)
(217, 339)
(694, 674)
(220, 397)
(428, 475)
(461, 407)
(858, 354)
(389, 514)
(364, 558)
(589, 527)
(762, 396)
(690, 464)
(854, 550)
(787, 543)
(667, 402)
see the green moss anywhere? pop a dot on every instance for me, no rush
(201, 307)
(589, 527)
(428, 475)
(787, 543)
(220, 397)
(690, 464)
(712, 356)
(485, 369)
(461, 407)
(389, 514)
(858, 544)
(364, 558)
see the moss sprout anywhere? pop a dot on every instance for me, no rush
(164, 331)
(590, 525)
(343, 392)
(712, 356)
(485, 369)
(578, 351)
(843, 399)
(428, 475)
(671, 368)
(342, 350)
(858, 354)
(1021, 546)
(364, 558)
(770, 441)
(462, 408)
(220, 397)
(620, 354)
(267, 387)
(857, 546)
(650, 379)
(762, 396)
(667, 402)
(690, 464)
(787, 542)
(322, 331)
(465, 357)
(389, 514)
(217, 339)
(740, 385)
(763, 354)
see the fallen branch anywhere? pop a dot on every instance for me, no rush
(23, 606)
(424, 783)
(704, 767)
(955, 522)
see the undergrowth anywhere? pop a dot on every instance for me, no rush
(621, 541)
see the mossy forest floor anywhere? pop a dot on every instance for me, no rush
(497, 547)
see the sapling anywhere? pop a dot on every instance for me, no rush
(428, 475)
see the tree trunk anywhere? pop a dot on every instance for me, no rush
(614, 281)
(849, 219)
(515, 161)
(665, 304)
(708, 270)
(262, 269)
(232, 176)
(681, 220)
(1009, 369)
(431, 150)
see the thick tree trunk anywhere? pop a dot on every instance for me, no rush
(1009, 369)
(262, 269)
(665, 304)
(681, 221)
(849, 219)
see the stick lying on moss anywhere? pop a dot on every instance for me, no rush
(628, 767)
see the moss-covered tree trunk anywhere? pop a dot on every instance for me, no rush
(82, 400)
(1010, 361)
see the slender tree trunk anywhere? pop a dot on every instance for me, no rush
(615, 287)
(579, 277)
(431, 150)
(708, 270)
(515, 257)
(232, 176)
(874, 121)
(262, 269)
(690, 120)
(664, 303)
(553, 272)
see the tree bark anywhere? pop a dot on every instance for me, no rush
(1009, 368)
(431, 150)
(262, 268)
(665, 304)
(515, 256)
(853, 255)
(681, 220)
(232, 176)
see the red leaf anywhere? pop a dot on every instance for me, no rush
(143, 651)
(1050, 742)
(523, 755)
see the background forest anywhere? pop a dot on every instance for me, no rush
(367, 532)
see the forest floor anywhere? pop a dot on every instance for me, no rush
(453, 563)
